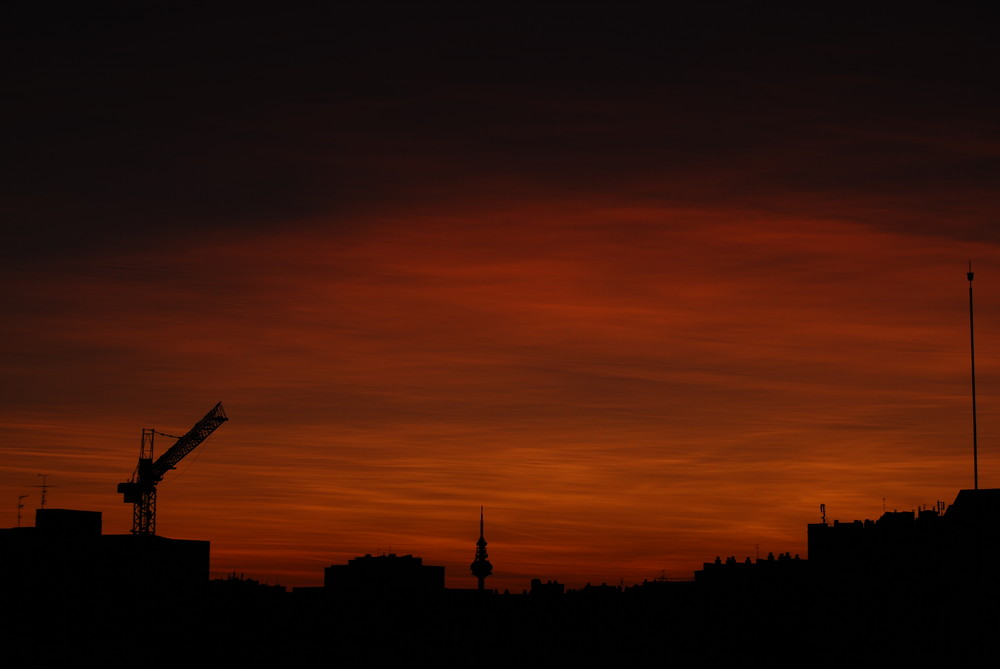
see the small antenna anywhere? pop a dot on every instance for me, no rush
(45, 488)
(822, 513)
(972, 358)
(20, 505)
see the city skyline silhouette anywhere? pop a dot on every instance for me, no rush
(868, 585)
(649, 288)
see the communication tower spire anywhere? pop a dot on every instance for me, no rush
(481, 567)
(972, 357)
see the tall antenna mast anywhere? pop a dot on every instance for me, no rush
(972, 356)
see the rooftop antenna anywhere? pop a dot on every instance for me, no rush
(972, 357)
(20, 505)
(822, 512)
(45, 488)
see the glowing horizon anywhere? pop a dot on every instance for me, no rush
(618, 417)
(650, 291)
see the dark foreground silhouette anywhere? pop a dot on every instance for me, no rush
(916, 590)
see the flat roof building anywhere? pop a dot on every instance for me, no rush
(384, 572)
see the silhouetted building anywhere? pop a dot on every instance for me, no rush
(597, 593)
(771, 577)
(547, 589)
(384, 572)
(68, 523)
(65, 558)
(940, 552)
(733, 570)
(242, 590)
(897, 540)
(151, 566)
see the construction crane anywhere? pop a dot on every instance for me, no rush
(140, 490)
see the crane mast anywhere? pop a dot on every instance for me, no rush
(140, 490)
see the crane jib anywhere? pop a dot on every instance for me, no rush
(197, 434)
(141, 489)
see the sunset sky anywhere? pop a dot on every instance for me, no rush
(649, 287)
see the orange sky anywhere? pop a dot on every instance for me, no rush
(640, 335)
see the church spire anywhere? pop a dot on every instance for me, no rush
(481, 567)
